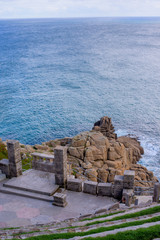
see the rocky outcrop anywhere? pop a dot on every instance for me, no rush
(100, 157)
(104, 125)
(143, 176)
(134, 144)
(58, 142)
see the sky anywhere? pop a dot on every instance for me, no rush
(77, 8)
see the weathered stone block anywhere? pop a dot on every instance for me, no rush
(74, 185)
(129, 179)
(118, 180)
(156, 195)
(128, 195)
(59, 200)
(104, 189)
(90, 187)
(118, 186)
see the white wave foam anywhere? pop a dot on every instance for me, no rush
(150, 159)
(151, 147)
(121, 132)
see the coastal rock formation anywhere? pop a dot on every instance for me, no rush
(100, 155)
(104, 125)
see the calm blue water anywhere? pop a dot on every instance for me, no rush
(59, 76)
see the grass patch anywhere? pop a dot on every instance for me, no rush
(101, 216)
(3, 151)
(23, 233)
(11, 228)
(94, 231)
(142, 233)
(130, 215)
(27, 163)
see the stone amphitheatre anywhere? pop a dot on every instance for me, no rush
(70, 183)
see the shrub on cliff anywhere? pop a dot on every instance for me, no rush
(3, 151)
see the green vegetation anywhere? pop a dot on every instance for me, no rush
(142, 233)
(102, 216)
(11, 228)
(89, 219)
(94, 231)
(23, 233)
(3, 151)
(26, 163)
(130, 215)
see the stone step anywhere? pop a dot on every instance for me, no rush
(34, 181)
(93, 227)
(43, 192)
(103, 234)
(53, 227)
(26, 194)
(128, 211)
(49, 230)
(2, 177)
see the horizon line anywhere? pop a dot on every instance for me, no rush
(19, 18)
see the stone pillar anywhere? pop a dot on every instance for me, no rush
(129, 179)
(156, 192)
(14, 156)
(118, 186)
(60, 158)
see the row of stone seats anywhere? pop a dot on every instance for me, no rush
(104, 189)
(101, 189)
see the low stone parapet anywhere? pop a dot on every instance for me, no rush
(90, 187)
(74, 185)
(43, 162)
(104, 189)
(59, 199)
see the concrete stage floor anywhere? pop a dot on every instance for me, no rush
(22, 211)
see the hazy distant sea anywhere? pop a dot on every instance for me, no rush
(59, 76)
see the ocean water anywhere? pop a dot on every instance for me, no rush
(59, 76)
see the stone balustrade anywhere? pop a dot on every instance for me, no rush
(43, 162)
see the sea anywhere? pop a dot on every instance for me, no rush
(59, 76)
